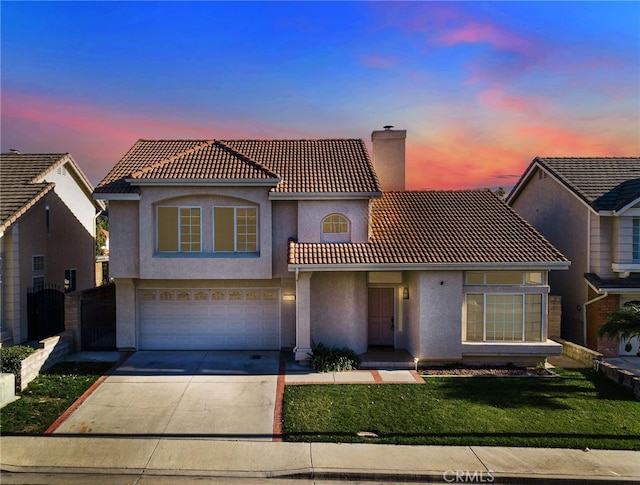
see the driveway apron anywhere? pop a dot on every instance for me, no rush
(209, 394)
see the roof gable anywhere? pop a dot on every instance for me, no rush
(23, 181)
(298, 166)
(605, 184)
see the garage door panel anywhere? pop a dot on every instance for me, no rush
(233, 319)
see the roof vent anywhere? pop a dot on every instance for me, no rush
(387, 127)
(14, 150)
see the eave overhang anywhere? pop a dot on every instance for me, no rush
(541, 266)
(324, 195)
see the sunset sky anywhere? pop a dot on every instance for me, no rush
(481, 87)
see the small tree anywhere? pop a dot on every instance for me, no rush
(623, 322)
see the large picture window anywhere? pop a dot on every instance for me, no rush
(235, 229)
(179, 229)
(500, 317)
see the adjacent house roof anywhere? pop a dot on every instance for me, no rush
(23, 181)
(614, 284)
(605, 184)
(434, 228)
(294, 166)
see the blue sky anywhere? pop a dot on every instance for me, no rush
(481, 87)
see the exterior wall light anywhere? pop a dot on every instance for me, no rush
(288, 297)
(405, 293)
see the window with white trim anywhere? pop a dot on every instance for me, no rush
(502, 317)
(335, 228)
(235, 229)
(37, 262)
(335, 224)
(37, 283)
(510, 312)
(179, 229)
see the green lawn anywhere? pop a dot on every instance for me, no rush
(578, 410)
(49, 395)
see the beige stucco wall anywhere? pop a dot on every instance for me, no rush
(204, 264)
(564, 221)
(124, 239)
(389, 158)
(285, 226)
(312, 212)
(602, 245)
(440, 314)
(339, 309)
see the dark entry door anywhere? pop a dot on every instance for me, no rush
(381, 316)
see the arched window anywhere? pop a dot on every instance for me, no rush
(335, 228)
(335, 224)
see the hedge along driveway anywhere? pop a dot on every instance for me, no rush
(577, 410)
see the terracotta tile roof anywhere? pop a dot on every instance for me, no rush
(20, 188)
(603, 183)
(303, 166)
(437, 227)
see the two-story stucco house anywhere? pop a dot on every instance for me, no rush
(589, 208)
(47, 232)
(275, 244)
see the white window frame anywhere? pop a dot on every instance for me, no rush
(179, 229)
(235, 227)
(523, 311)
(36, 285)
(33, 263)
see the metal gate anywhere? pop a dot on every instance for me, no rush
(98, 319)
(45, 312)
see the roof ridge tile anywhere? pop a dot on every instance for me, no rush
(172, 158)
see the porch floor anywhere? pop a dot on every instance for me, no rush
(386, 358)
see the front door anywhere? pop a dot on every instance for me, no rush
(381, 316)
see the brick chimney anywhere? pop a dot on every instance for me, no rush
(388, 157)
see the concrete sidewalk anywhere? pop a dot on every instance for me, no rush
(164, 457)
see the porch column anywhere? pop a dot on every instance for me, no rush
(303, 316)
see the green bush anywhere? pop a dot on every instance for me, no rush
(325, 359)
(11, 357)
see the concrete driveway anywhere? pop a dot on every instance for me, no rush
(212, 394)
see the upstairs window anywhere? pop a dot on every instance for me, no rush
(335, 229)
(335, 224)
(179, 229)
(37, 262)
(235, 229)
(636, 240)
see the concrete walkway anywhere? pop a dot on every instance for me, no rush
(255, 459)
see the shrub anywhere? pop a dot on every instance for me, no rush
(11, 358)
(325, 359)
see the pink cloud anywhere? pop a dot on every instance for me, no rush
(98, 137)
(497, 98)
(461, 157)
(378, 62)
(479, 32)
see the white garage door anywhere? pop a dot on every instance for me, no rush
(230, 319)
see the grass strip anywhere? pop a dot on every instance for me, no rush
(48, 396)
(580, 409)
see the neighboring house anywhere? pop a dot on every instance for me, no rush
(589, 208)
(276, 244)
(47, 232)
